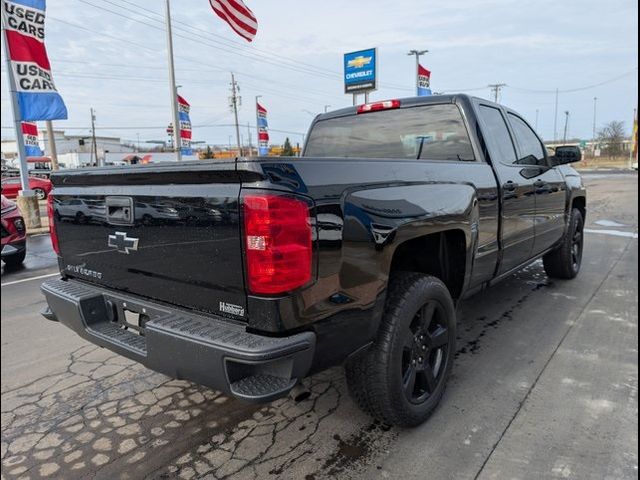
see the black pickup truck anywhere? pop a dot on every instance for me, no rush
(249, 275)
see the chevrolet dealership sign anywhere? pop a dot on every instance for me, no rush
(360, 71)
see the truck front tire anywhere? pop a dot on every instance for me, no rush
(401, 378)
(564, 262)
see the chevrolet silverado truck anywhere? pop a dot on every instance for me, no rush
(354, 254)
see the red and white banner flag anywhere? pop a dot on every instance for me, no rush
(30, 135)
(263, 132)
(185, 125)
(23, 24)
(238, 16)
(424, 82)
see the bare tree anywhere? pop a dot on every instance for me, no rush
(611, 136)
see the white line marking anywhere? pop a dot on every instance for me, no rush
(610, 223)
(615, 233)
(29, 279)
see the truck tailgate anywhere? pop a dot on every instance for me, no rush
(169, 233)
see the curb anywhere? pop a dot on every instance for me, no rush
(37, 231)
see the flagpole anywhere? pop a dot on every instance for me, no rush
(17, 121)
(177, 140)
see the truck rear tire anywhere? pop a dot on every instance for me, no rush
(401, 378)
(564, 262)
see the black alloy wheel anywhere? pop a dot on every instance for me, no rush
(424, 353)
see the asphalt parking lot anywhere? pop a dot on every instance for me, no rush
(544, 386)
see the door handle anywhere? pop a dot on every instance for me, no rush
(540, 184)
(510, 186)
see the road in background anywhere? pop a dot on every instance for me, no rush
(544, 386)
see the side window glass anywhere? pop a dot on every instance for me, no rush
(496, 136)
(531, 149)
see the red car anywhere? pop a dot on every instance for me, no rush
(14, 234)
(11, 186)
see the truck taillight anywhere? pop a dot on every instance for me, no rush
(377, 106)
(52, 226)
(278, 243)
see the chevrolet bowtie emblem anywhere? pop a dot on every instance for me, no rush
(359, 62)
(122, 243)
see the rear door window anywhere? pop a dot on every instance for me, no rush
(531, 149)
(497, 136)
(431, 132)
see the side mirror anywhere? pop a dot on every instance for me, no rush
(566, 154)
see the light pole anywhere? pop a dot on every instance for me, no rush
(537, 115)
(417, 54)
(172, 85)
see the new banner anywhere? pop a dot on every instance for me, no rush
(30, 134)
(185, 126)
(424, 82)
(263, 132)
(38, 98)
(360, 71)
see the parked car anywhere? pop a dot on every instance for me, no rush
(80, 210)
(12, 185)
(14, 234)
(355, 254)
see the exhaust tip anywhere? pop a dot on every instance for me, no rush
(299, 393)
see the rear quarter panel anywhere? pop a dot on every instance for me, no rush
(365, 209)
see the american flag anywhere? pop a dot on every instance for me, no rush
(238, 16)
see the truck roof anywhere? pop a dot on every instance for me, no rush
(405, 102)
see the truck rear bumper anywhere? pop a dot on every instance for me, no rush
(210, 351)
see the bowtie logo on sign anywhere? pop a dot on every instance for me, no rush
(38, 98)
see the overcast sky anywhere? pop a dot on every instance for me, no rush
(110, 55)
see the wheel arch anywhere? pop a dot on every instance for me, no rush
(450, 263)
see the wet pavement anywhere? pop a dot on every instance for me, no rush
(544, 386)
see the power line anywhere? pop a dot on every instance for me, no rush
(223, 48)
(280, 61)
(578, 89)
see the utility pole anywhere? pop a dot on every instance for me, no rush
(634, 136)
(537, 115)
(595, 111)
(173, 90)
(495, 88)
(235, 102)
(418, 54)
(566, 125)
(555, 120)
(94, 145)
(51, 140)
